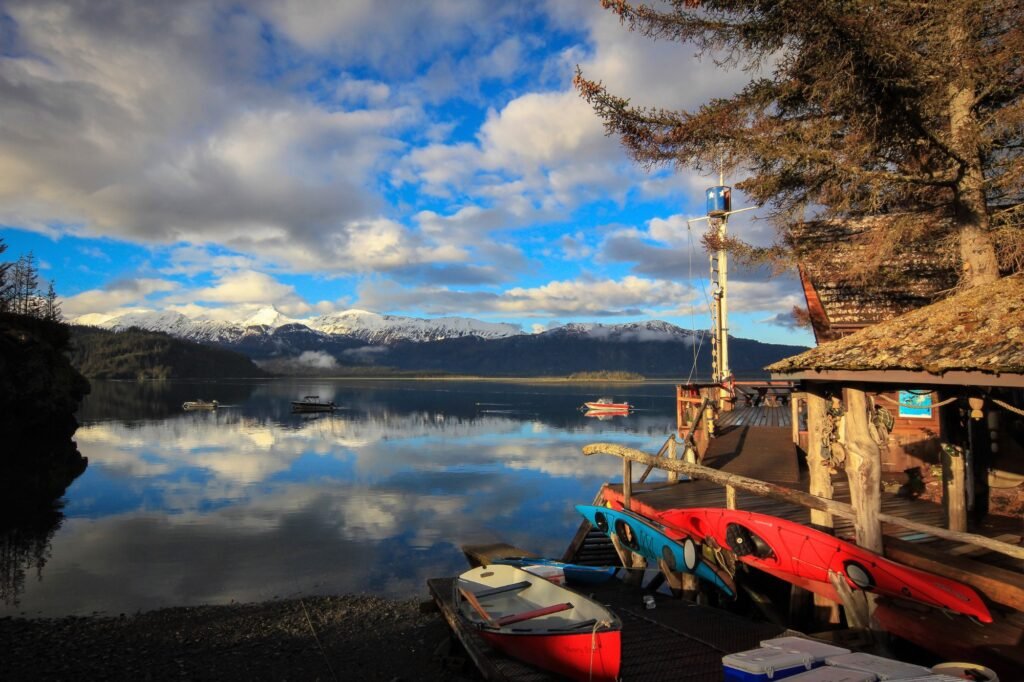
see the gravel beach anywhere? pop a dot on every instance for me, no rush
(356, 638)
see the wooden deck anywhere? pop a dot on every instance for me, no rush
(762, 415)
(745, 447)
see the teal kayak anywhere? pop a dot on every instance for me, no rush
(654, 542)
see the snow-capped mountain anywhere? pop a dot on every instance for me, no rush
(361, 339)
(651, 330)
(370, 328)
(379, 329)
(176, 324)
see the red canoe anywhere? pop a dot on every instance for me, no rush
(805, 556)
(541, 623)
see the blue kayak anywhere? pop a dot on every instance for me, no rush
(652, 541)
(574, 573)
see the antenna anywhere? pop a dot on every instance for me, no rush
(719, 208)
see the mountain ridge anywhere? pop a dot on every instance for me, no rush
(364, 341)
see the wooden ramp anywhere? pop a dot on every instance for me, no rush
(676, 641)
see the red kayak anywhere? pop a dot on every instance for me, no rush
(804, 556)
(544, 624)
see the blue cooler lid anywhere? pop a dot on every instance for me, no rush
(765, 661)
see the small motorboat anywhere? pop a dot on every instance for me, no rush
(606, 404)
(577, 574)
(605, 415)
(312, 403)
(199, 405)
(546, 625)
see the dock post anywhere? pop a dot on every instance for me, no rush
(953, 463)
(673, 476)
(627, 483)
(820, 478)
(864, 471)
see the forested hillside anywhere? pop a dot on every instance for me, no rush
(138, 354)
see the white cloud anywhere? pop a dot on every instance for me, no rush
(628, 296)
(116, 297)
(243, 287)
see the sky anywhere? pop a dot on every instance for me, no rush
(423, 158)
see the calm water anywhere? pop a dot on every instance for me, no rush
(252, 502)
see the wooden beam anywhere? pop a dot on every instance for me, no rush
(730, 497)
(864, 469)
(794, 416)
(627, 483)
(998, 584)
(820, 483)
(798, 497)
(955, 487)
(673, 477)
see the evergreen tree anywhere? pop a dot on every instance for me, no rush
(51, 306)
(908, 109)
(25, 283)
(5, 284)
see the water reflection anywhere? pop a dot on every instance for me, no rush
(31, 487)
(250, 501)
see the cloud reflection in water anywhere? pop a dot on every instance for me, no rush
(235, 505)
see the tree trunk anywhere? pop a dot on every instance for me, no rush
(977, 250)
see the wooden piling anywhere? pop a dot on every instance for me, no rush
(864, 470)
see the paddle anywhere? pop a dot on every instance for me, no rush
(477, 606)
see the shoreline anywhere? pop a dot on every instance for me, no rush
(310, 638)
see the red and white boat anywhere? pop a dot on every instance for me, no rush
(546, 625)
(607, 405)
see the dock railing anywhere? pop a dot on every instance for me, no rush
(734, 482)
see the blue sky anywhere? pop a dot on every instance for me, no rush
(412, 158)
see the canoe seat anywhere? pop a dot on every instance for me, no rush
(513, 587)
(535, 613)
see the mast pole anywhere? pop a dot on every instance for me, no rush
(723, 307)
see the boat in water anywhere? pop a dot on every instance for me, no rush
(312, 403)
(536, 621)
(606, 404)
(199, 405)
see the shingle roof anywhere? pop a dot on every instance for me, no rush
(980, 329)
(907, 280)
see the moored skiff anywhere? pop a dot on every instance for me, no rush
(541, 623)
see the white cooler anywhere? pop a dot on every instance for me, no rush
(883, 668)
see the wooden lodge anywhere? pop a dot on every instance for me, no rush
(940, 388)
